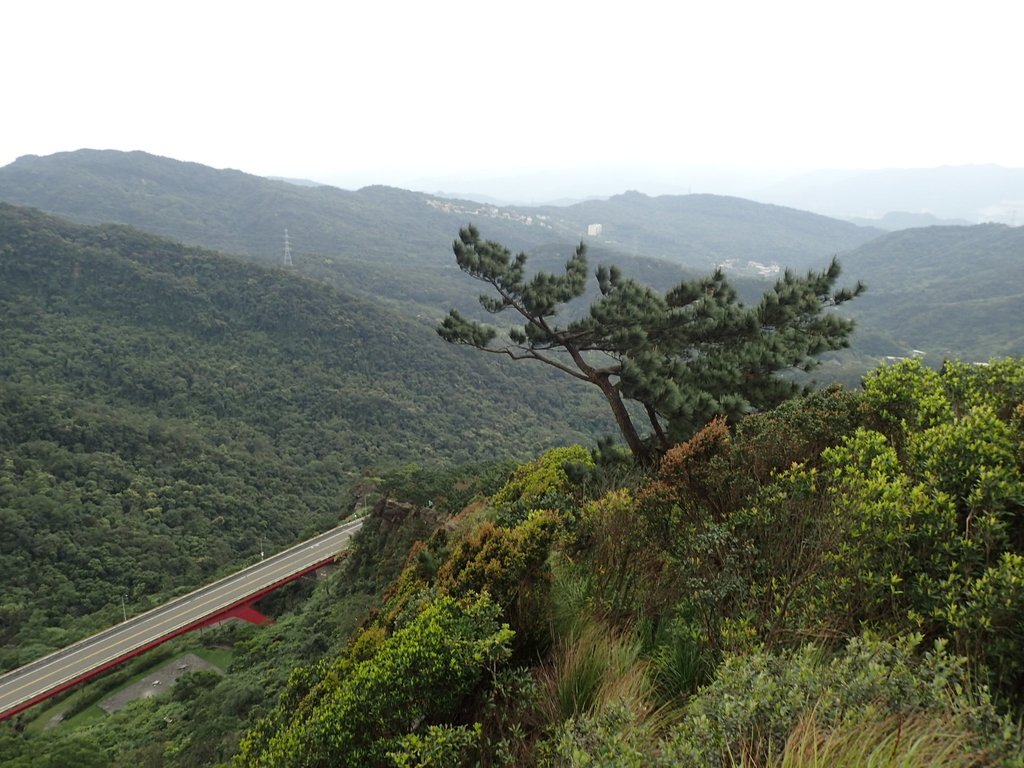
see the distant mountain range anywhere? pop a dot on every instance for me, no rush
(704, 231)
(239, 213)
(897, 220)
(968, 194)
(393, 245)
(973, 193)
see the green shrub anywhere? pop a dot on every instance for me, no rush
(626, 575)
(544, 475)
(503, 561)
(609, 739)
(896, 541)
(439, 746)
(988, 622)
(998, 384)
(418, 677)
(758, 700)
(905, 397)
(742, 518)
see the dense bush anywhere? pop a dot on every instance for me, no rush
(757, 699)
(415, 679)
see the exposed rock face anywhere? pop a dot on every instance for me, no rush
(394, 513)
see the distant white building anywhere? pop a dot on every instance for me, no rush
(593, 230)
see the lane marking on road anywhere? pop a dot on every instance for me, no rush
(284, 564)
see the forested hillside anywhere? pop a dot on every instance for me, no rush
(164, 409)
(946, 290)
(952, 292)
(702, 231)
(392, 243)
(836, 582)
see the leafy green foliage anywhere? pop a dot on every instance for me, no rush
(931, 516)
(546, 475)
(914, 527)
(608, 738)
(363, 710)
(905, 398)
(438, 747)
(501, 560)
(511, 565)
(757, 699)
(987, 620)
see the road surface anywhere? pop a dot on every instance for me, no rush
(51, 674)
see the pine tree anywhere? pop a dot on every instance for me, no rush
(684, 357)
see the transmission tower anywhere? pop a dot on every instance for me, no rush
(287, 251)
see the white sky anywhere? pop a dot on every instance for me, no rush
(390, 91)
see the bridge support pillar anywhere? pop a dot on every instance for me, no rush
(243, 612)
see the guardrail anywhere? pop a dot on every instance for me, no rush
(265, 576)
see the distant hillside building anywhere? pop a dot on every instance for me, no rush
(593, 230)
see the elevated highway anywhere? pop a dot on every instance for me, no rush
(231, 596)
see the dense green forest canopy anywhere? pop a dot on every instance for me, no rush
(952, 292)
(163, 408)
(917, 276)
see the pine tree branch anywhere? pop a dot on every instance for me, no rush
(525, 353)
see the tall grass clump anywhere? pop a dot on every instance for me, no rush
(918, 741)
(599, 701)
(592, 667)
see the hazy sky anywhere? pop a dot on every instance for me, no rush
(409, 92)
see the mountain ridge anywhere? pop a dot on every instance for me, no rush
(391, 245)
(104, 185)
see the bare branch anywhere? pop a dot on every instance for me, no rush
(526, 353)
